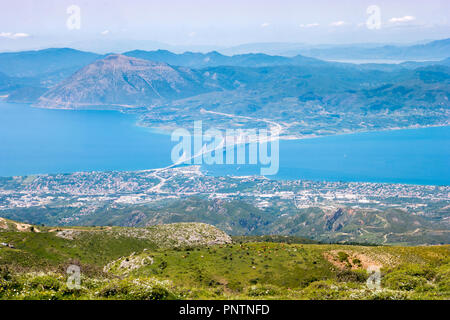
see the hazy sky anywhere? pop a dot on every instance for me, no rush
(42, 23)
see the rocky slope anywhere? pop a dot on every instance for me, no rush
(162, 236)
(126, 81)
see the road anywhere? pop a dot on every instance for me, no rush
(275, 129)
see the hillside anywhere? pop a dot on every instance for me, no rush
(157, 236)
(251, 206)
(47, 61)
(5, 82)
(316, 100)
(31, 73)
(128, 263)
(120, 80)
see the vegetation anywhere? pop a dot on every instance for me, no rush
(133, 263)
(239, 218)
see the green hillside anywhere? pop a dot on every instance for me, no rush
(198, 261)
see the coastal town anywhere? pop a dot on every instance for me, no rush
(85, 190)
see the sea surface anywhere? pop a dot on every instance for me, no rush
(39, 141)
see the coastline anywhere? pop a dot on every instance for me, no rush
(167, 131)
(155, 130)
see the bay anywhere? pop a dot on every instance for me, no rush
(39, 141)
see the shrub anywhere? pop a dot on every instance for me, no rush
(67, 292)
(321, 290)
(400, 281)
(43, 295)
(142, 289)
(419, 271)
(5, 274)
(262, 290)
(388, 295)
(163, 265)
(443, 279)
(46, 282)
(356, 262)
(109, 290)
(351, 276)
(342, 256)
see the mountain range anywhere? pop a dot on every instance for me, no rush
(43, 62)
(128, 81)
(173, 86)
(214, 58)
(435, 50)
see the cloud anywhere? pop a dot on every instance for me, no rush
(104, 33)
(21, 35)
(10, 35)
(337, 24)
(265, 24)
(309, 25)
(402, 19)
(192, 34)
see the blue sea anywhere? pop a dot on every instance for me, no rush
(34, 141)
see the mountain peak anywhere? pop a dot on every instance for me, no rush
(119, 60)
(121, 80)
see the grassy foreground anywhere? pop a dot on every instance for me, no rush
(198, 261)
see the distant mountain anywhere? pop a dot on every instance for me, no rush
(35, 63)
(339, 89)
(424, 87)
(10, 84)
(187, 59)
(414, 65)
(435, 50)
(273, 91)
(5, 82)
(272, 48)
(214, 59)
(26, 94)
(121, 80)
(317, 97)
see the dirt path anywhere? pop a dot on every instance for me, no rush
(274, 135)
